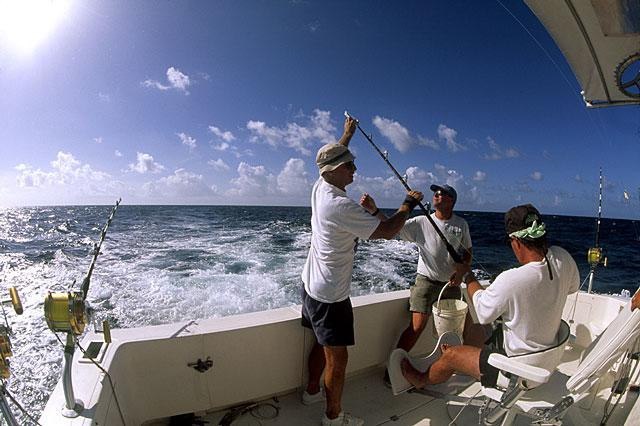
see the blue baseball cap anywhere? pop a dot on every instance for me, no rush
(446, 189)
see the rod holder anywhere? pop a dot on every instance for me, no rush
(72, 406)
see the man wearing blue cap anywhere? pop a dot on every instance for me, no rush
(435, 265)
(529, 298)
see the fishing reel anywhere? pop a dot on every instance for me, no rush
(66, 312)
(595, 257)
(5, 351)
(5, 332)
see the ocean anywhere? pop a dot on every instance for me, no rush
(161, 264)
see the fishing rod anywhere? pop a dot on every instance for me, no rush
(594, 255)
(454, 255)
(67, 312)
(96, 252)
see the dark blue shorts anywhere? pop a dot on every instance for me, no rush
(489, 373)
(332, 323)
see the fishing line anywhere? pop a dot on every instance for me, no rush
(556, 65)
(575, 301)
(540, 46)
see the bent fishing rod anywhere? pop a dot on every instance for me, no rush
(454, 255)
(96, 252)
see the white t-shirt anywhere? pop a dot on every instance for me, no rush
(434, 260)
(530, 303)
(336, 224)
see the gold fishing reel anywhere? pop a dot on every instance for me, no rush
(595, 257)
(5, 352)
(5, 332)
(66, 312)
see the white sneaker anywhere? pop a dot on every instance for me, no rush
(343, 419)
(308, 398)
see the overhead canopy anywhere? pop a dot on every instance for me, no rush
(601, 41)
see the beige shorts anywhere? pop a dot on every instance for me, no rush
(424, 293)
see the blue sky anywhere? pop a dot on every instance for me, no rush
(227, 102)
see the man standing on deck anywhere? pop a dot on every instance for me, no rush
(336, 224)
(436, 267)
(529, 298)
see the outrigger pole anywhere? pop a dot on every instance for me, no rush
(454, 255)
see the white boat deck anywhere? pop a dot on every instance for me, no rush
(149, 367)
(367, 397)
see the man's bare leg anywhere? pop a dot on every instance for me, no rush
(411, 334)
(455, 359)
(336, 359)
(315, 364)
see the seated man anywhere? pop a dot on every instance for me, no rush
(529, 298)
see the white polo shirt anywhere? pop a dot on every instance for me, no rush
(434, 260)
(530, 303)
(336, 224)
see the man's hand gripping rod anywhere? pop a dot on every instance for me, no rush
(454, 255)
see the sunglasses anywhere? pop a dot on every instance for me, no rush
(440, 193)
(350, 166)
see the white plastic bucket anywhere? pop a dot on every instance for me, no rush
(449, 314)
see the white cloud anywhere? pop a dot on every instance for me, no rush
(177, 80)
(292, 180)
(423, 141)
(578, 178)
(226, 136)
(536, 176)
(557, 201)
(104, 97)
(98, 139)
(181, 185)
(448, 176)
(252, 181)
(118, 153)
(187, 140)
(66, 170)
(218, 165)
(418, 178)
(475, 196)
(496, 152)
(479, 176)
(222, 146)
(399, 136)
(449, 136)
(296, 136)
(146, 164)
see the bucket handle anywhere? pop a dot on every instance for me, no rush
(442, 291)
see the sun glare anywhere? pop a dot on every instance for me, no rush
(24, 24)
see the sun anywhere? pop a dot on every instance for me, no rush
(25, 24)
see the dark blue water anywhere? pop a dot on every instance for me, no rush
(161, 264)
